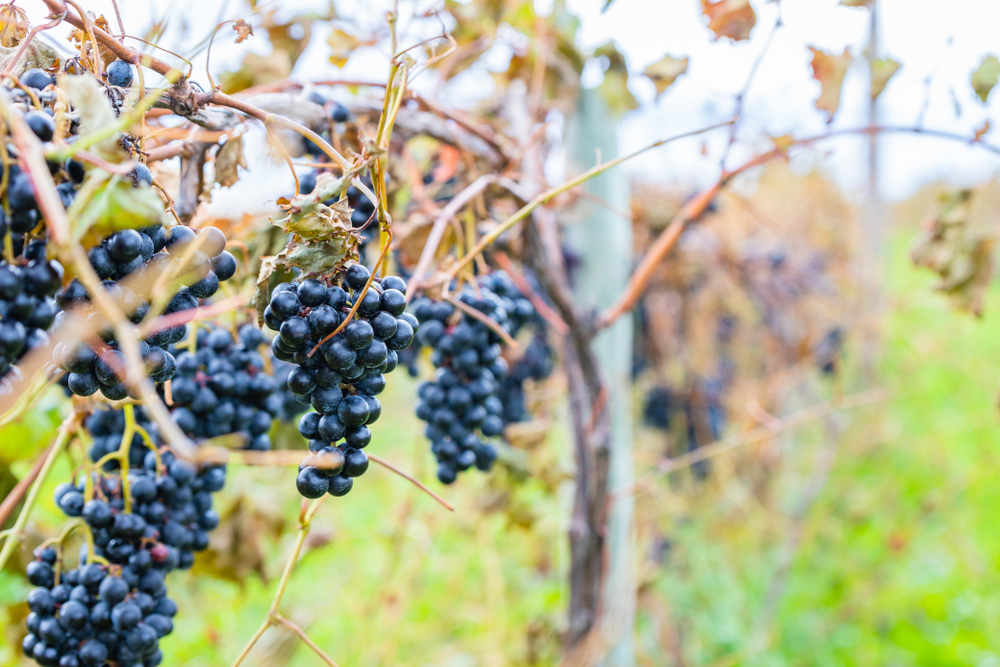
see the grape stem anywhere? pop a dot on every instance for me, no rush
(16, 534)
(274, 617)
(382, 462)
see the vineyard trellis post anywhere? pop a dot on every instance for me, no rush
(602, 243)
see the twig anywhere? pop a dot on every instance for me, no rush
(15, 536)
(541, 307)
(441, 220)
(17, 493)
(414, 480)
(552, 193)
(482, 317)
(305, 639)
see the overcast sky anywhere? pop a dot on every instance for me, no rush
(928, 37)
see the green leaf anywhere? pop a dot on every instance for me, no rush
(107, 203)
(985, 77)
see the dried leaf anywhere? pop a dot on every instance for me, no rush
(341, 46)
(730, 18)
(240, 546)
(665, 71)
(982, 131)
(38, 54)
(985, 77)
(12, 33)
(228, 161)
(882, 70)
(243, 30)
(784, 142)
(96, 114)
(959, 253)
(856, 3)
(260, 294)
(829, 70)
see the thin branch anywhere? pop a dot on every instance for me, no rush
(414, 480)
(15, 536)
(482, 317)
(17, 493)
(552, 193)
(541, 307)
(305, 639)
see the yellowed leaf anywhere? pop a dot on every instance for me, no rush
(14, 21)
(829, 70)
(341, 46)
(243, 30)
(730, 18)
(665, 71)
(882, 70)
(856, 3)
(985, 77)
(784, 142)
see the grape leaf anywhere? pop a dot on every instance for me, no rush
(985, 77)
(665, 71)
(341, 46)
(829, 70)
(882, 70)
(730, 18)
(106, 203)
(38, 54)
(228, 161)
(957, 251)
(13, 30)
(243, 30)
(96, 114)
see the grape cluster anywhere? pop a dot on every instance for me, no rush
(536, 364)
(95, 614)
(346, 373)
(125, 260)
(223, 388)
(27, 308)
(461, 405)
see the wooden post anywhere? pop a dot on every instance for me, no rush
(602, 242)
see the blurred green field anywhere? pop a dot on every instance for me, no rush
(899, 561)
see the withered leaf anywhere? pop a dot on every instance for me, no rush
(243, 30)
(14, 25)
(829, 70)
(665, 71)
(228, 161)
(882, 70)
(985, 77)
(958, 252)
(96, 114)
(730, 18)
(856, 3)
(38, 54)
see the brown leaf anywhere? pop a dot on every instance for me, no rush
(730, 18)
(228, 161)
(856, 3)
(982, 131)
(959, 253)
(243, 30)
(240, 546)
(665, 71)
(829, 70)
(985, 77)
(882, 69)
(11, 33)
(341, 46)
